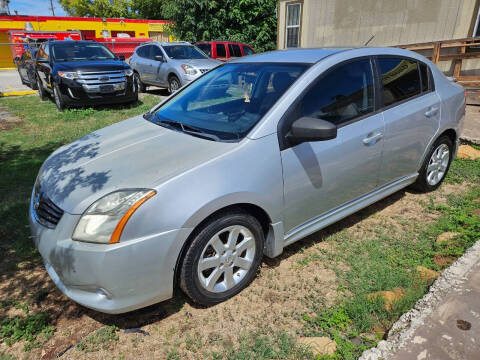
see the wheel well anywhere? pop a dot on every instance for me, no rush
(251, 209)
(451, 134)
(172, 75)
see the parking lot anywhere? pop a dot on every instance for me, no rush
(10, 84)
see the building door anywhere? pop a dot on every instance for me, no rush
(158, 36)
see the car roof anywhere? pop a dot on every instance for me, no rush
(292, 55)
(311, 56)
(165, 43)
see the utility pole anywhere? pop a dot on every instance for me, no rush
(52, 7)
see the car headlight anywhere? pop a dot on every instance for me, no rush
(68, 75)
(104, 220)
(128, 72)
(189, 70)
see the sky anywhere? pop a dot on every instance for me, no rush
(35, 7)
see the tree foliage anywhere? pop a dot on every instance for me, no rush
(249, 21)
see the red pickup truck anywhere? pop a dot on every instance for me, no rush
(224, 50)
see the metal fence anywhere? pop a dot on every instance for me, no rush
(10, 52)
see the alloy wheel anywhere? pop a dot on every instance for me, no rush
(438, 164)
(226, 259)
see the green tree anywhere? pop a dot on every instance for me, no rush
(249, 21)
(98, 8)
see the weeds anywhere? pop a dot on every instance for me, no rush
(34, 328)
(101, 339)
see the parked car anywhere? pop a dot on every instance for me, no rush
(26, 67)
(225, 50)
(169, 64)
(249, 158)
(83, 73)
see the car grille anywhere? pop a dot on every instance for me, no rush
(203, 71)
(101, 77)
(94, 81)
(44, 210)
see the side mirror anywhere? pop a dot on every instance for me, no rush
(159, 58)
(121, 57)
(306, 129)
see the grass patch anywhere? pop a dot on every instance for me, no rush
(462, 170)
(25, 147)
(261, 345)
(35, 329)
(388, 261)
(101, 339)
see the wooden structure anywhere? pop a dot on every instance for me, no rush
(454, 51)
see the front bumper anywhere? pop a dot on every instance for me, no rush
(111, 278)
(74, 93)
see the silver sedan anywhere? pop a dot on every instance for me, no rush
(247, 159)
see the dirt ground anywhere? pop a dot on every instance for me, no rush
(281, 293)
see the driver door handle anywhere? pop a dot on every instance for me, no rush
(372, 138)
(431, 112)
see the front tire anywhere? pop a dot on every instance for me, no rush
(57, 97)
(41, 90)
(436, 165)
(173, 84)
(223, 258)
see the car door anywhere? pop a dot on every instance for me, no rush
(43, 66)
(320, 176)
(143, 63)
(220, 52)
(160, 67)
(412, 113)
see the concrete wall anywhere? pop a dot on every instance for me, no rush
(393, 22)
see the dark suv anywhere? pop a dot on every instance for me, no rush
(83, 73)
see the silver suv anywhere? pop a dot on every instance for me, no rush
(169, 64)
(251, 157)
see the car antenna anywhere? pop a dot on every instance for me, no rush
(368, 42)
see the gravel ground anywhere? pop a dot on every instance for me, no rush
(402, 332)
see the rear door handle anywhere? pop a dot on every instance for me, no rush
(431, 112)
(372, 139)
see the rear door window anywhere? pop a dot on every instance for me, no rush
(144, 51)
(425, 78)
(155, 51)
(400, 79)
(220, 50)
(234, 50)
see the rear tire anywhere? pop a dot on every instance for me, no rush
(223, 258)
(436, 165)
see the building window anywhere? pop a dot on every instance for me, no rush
(292, 34)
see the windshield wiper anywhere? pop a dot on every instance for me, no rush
(187, 129)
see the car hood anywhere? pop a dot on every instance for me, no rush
(91, 65)
(200, 63)
(134, 153)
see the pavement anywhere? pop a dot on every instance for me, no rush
(11, 85)
(445, 323)
(471, 126)
(453, 329)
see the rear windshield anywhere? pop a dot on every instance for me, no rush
(81, 52)
(229, 100)
(183, 52)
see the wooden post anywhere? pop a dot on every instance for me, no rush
(436, 53)
(458, 62)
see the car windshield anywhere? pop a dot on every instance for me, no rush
(228, 101)
(183, 52)
(81, 52)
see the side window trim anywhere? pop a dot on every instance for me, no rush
(431, 84)
(283, 124)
